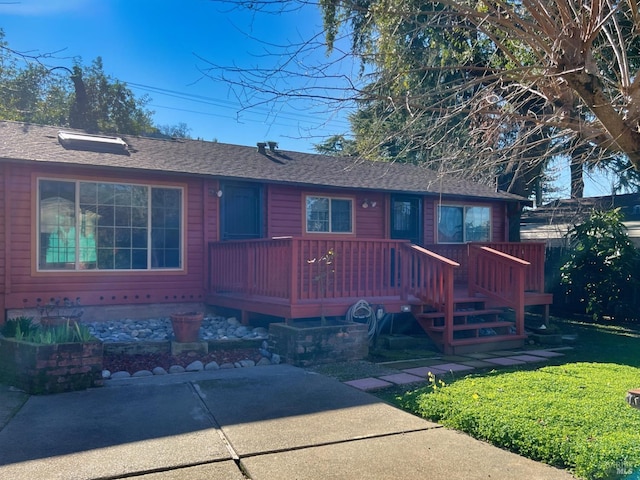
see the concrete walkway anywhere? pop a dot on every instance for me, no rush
(261, 423)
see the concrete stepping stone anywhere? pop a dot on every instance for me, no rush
(544, 353)
(529, 358)
(424, 371)
(504, 361)
(368, 384)
(453, 367)
(402, 378)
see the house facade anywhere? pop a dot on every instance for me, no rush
(125, 222)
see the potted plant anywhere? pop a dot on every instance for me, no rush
(49, 359)
(186, 326)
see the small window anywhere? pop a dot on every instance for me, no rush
(114, 226)
(460, 224)
(329, 215)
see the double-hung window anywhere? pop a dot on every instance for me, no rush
(329, 214)
(460, 224)
(108, 226)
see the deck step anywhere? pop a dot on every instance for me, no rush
(461, 313)
(475, 326)
(487, 339)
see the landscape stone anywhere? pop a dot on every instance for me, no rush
(142, 373)
(120, 374)
(176, 369)
(212, 366)
(159, 371)
(195, 366)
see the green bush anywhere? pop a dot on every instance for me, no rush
(572, 416)
(601, 273)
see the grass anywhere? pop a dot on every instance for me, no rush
(572, 414)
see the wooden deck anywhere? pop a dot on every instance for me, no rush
(294, 278)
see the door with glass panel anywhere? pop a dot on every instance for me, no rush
(406, 218)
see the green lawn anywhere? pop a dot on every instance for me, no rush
(572, 414)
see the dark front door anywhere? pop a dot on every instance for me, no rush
(241, 214)
(406, 218)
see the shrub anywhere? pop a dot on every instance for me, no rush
(601, 273)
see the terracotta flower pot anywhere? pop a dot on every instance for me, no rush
(186, 326)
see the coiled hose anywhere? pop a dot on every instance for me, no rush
(362, 312)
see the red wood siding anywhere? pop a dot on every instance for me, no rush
(429, 220)
(25, 285)
(284, 211)
(498, 223)
(371, 222)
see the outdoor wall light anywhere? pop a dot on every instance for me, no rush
(219, 193)
(367, 203)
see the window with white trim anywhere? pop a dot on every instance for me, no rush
(461, 224)
(329, 214)
(108, 226)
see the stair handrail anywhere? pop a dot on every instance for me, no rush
(429, 277)
(499, 276)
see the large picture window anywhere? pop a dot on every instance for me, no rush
(329, 215)
(459, 224)
(108, 226)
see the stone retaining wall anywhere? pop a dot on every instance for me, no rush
(304, 345)
(38, 368)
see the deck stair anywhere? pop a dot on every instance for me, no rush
(474, 327)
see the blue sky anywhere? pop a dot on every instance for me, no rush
(161, 47)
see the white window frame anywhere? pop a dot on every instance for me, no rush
(464, 208)
(330, 198)
(78, 266)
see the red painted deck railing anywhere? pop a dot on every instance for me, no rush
(297, 269)
(499, 276)
(532, 252)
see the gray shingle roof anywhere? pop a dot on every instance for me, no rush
(26, 142)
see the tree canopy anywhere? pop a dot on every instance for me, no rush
(83, 97)
(490, 87)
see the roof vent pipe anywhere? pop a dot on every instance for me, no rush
(261, 148)
(273, 146)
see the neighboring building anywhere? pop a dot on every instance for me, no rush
(127, 221)
(551, 222)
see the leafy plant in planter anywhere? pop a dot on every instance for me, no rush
(18, 326)
(49, 359)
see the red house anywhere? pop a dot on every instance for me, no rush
(131, 221)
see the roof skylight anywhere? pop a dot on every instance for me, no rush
(85, 141)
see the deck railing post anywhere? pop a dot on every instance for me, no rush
(519, 306)
(448, 305)
(294, 247)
